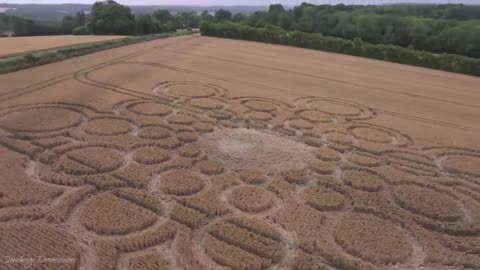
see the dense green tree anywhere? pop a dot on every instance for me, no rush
(3, 23)
(110, 18)
(275, 12)
(187, 20)
(205, 16)
(80, 18)
(380, 25)
(240, 17)
(222, 15)
(144, 24)
(163, 16)
(69, 23)
(258, 19)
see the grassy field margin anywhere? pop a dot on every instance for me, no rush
(357, 47)
(33, 59)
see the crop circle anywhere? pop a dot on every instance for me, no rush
(40, 119)
(374, 239)
(428, 203)
(151, 109)
(251, 199)
(181, 183)
(108, 127)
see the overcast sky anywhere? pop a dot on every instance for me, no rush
(237, 2)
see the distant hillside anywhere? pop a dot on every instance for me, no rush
(55, 12)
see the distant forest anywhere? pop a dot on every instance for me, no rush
(56, 12)
(450, 28)
(453, 29)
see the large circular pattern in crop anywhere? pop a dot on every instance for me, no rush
(428, 203)
(363, 179)
(40, 119)
(260, 116)
(340, 138)
(190, 90)
(327, 154)
(371, 134)
(210, 167)
(90, 160)
(154, 132)
(468, 164)
(321, 167)
(253, 177)
(204, 127)
(187, 137)
(315, 116)
(29, 245)
(181, 119)
(323, 199)
(108, 127)
(207, 103)
(249, 148)
(181, 183)
(300, 124)
(189, 151)
(335, 108)
(251, 199)
(372, 238)
(151, 108)
(296, 176)
(151, 155)
(108, 214)
(260, 105)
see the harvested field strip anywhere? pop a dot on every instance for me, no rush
(20, 45)
(45, 57)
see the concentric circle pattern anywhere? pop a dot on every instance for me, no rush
(186, 175)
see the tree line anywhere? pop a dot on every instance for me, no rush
(111, 18)
(25, 27)
(382, 25)
(445, 11)
(452, 29)
(357, 47)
